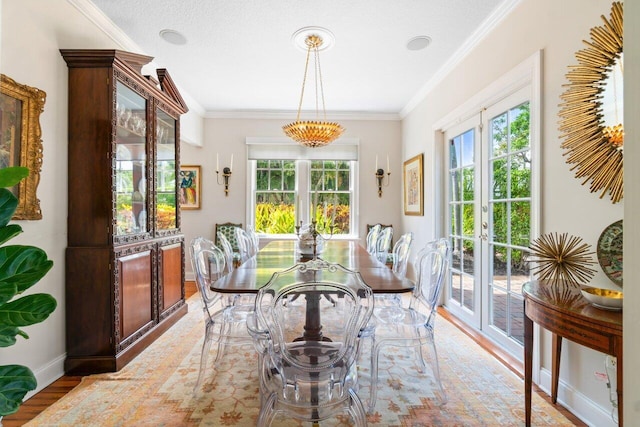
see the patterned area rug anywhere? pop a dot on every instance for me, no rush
(155, 389)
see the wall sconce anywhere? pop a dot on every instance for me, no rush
(226, 174)
(380, 176)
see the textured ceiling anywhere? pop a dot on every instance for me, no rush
(239, 55)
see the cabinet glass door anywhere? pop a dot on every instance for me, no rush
(131, 162)
(166, 207)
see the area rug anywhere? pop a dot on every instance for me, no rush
(156, 389)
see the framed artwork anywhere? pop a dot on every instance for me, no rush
(190, 187)
(413, 186)
(20, 141)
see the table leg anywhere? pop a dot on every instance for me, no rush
(556, 349)
(528, 368)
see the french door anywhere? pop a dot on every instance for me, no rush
(489, 219)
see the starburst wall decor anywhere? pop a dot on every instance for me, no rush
(561, 258)
(594, 149)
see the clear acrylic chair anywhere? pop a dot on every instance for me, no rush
(227, 249)
(383, 245)
(415, 327)
(225, 324)
(254, 241)
(372, 238)
(244, 245)
(309, 370)
(390, 305)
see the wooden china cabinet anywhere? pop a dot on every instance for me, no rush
(125, 250)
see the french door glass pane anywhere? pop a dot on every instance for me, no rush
(510, 207)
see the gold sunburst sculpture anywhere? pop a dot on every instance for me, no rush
(561, 257)
(594, 149)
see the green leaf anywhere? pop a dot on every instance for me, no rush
(12, 175)
(8, 232)
(27, 310)
(8, 205)
(7, 291)
(15, 382)
(23, 265)
(8, 335)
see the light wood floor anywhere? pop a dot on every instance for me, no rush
(50, 394)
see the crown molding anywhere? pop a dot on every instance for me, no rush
(122, 40)
(489, 24)
(290, 115)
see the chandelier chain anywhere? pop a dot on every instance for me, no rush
(304, 80)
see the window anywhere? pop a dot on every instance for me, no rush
(291, 184)
(324, 192)
(330, 191)
(275, 196)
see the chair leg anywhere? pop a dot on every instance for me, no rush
(431, 348)
(267, 412)
(206, 347)
(357, 411)
(375, 349)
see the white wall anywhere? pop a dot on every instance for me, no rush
(631, 314)
(227, 136)
(558, 31)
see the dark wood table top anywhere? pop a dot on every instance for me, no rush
(566, 298)
(279, 255)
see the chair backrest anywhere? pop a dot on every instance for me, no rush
(431, 267)
(254, 240)
(372, 238)
(442, 244)
(209, 266)
(383, 245)
(244, 244)
(342, 301)
(229, 231)
(401, 251)
(227, 249)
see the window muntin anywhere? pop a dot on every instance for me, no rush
(286, 191)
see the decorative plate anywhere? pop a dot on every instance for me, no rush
(610, 252)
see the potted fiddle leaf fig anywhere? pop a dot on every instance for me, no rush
(20, 268)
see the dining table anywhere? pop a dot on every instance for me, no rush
(279, 255)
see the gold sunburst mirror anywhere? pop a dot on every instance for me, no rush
(593, 138)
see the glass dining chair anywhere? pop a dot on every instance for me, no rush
(246, 245)
(309, 370)
(372, 238)
(227, 249)
(383, 245)
(225, 324)
(415, 327)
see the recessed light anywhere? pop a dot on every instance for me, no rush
(418, 42)
(173, 37)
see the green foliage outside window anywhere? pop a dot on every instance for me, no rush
(511, 178)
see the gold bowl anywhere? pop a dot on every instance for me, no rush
(607, 299)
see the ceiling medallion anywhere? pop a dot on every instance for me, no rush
(313, 133)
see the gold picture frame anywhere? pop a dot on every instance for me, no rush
(190, 186)
(594, 149)
(21, 140)
(413, 186)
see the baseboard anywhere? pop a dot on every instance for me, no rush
(579, 404)
(48, 374)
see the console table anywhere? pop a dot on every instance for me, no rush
(561, 309)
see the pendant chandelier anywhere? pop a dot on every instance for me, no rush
(313, 133)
